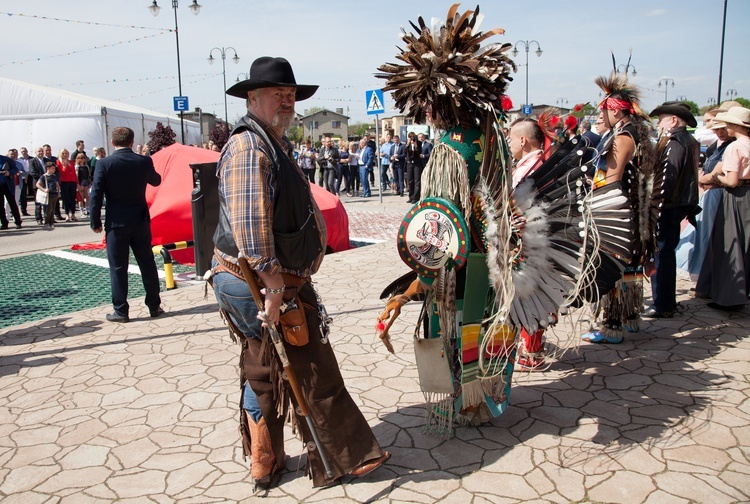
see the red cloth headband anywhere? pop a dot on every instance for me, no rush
(616, 104)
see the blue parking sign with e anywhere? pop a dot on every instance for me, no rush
(527, 109)
(180, 103)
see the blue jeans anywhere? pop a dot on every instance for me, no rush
(234, 297)
(385, 179)
(364, 179)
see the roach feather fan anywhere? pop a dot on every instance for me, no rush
(448, 69)
(616, 84)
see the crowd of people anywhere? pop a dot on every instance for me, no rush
(65, 179)
(271, 238)
(714, 249)
(349, 167)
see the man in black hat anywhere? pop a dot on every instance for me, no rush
(677, 154)
(267, 214)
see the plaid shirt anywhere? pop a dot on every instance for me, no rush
(247, 178)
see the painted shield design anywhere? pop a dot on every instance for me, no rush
(432, 235)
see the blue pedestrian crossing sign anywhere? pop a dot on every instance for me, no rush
(180, 103)
(374, 100)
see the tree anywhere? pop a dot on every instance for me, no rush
(295, 134)
(358, 129)
(586, 110)
(694, 109)
(161, 137)
(743, 101)
(219, 134)
(312, 110)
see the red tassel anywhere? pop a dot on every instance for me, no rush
(578, 107)
(571, 123)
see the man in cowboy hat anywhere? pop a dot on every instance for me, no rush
(678, 153)
(267, 214)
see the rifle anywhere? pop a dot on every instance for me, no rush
(278, 344)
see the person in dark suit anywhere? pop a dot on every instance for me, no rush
(8, 171)
(36, 170)
(593, 140)
(398, 161)
(122, 178)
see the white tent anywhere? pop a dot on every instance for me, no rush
(33, 115)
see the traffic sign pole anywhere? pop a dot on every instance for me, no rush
(379, 181)
(181, 105)
(374, 106)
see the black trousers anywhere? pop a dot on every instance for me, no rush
(7, 194)
(664, 281)
(414, 180)
(119, 241)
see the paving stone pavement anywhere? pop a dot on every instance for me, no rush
(147, 411)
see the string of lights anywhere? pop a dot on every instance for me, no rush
(68, 53)
(128, 80)
(93, 23)
(162, 90)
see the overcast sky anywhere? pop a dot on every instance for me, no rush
(339, 45)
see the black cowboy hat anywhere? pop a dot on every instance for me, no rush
(271, 72)
(676, 108)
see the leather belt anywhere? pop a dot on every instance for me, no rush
(293, 283)
(743, 182)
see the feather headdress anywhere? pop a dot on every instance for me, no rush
(617, 87)
(447, 68)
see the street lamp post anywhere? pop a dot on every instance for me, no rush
(711, 102)
(666, 81)
(731, 93)
(561, 102)
(196, 8)
(526, 44)
(236, 59)
(721, 54)
(624, 69)
(681, 98)
(244, 76)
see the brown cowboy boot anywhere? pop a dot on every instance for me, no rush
(262, 458)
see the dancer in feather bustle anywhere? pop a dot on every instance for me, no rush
(625, 165)
(490, 258)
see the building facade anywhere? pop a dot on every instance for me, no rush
(325, 123)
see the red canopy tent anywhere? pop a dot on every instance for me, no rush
(171, 212)
(170, 208)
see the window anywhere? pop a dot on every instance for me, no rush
(335, 124)
(408, 122)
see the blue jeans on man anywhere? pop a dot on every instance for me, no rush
(234, 296)
(385, 178)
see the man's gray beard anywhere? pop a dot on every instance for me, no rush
(284, 123)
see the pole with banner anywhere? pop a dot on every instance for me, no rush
(374, 101)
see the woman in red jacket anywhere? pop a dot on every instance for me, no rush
(66, 170)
